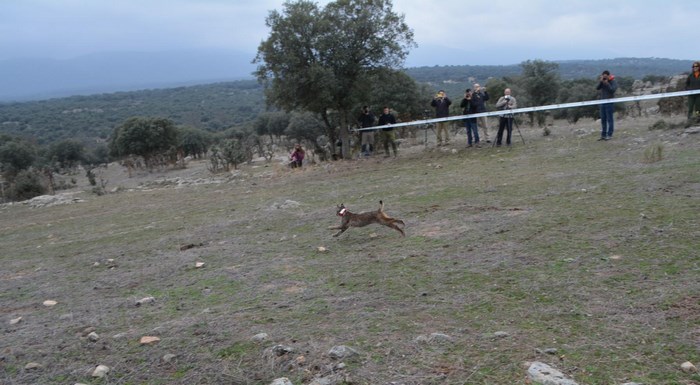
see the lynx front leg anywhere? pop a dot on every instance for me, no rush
(342, 230)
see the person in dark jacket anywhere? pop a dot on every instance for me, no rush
(366, 120)
(606, 89)
(470, 123)
(479, 99)
(388, 136)
(693, 83)
(441, 103)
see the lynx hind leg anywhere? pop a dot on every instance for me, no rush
(394, 226)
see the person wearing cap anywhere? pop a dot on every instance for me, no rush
(606, 90)
(441, 103)
(693, 83)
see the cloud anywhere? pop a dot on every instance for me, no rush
(473, 31)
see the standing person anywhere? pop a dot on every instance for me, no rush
(441, 103)
(366, 120)
(479, 98)
(297, 156)
(470, 123)
(387, 118)
(693, 83)
(505, 121)
(607, 87)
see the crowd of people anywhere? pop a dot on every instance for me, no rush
(474, 102)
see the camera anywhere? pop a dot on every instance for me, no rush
(507, 97)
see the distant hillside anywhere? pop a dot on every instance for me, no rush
(636, 68)
(218, 106)
(212, 107)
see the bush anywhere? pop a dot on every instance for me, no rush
(659, 125)
(654, 153)
(27, 185)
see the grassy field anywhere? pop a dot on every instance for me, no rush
(589, 248)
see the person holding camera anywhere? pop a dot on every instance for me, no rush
(693, 83)
(442, 103)
(366, 120)
(388, 136)
(606, 88)
(470, 123)
(479, 99)
(505, 121)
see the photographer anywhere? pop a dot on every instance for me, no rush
(693, 83)
(607, 87)
(366, 120)
(479, 99)
(470, 123)
(505, 122)
(442, 103)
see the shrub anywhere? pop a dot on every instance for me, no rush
(27, 185)
(659, 125)
(653, 153)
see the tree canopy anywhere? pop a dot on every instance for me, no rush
(143, 136)
(322, 60)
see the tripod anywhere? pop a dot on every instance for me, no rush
(514, 122)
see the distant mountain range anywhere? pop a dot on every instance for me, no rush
(38, 79)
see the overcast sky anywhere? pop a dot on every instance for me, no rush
(448, 32)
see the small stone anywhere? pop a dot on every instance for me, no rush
(440, 338)
(198, 265)
(688, 367)
(260, 337)
(67, 316)
(281, 350)
(341, 351)
(542, 373)
(322, 249)
(373, 235)
(100, 371)
(94, 337)
(50, 303)
(169, 357)
(15, 321)
(145, 300)
(500, 334)
(146, 340)
(301, 360)
(32, 365)
(282, 381)
(551, 351)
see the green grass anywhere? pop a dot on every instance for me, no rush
(564, 243)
